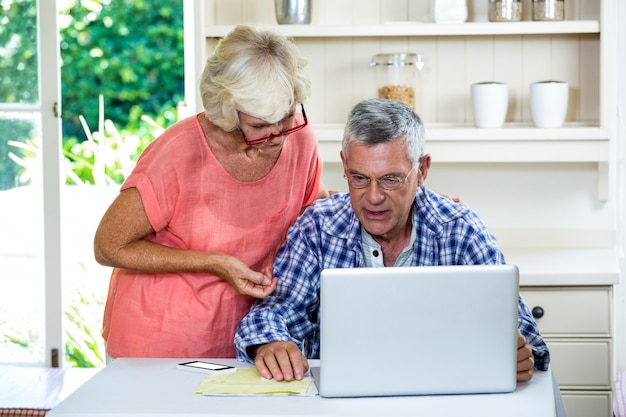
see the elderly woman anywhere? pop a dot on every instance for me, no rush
(193, 232)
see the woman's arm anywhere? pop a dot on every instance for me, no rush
(120, 242)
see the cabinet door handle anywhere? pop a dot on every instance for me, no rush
(537, 312)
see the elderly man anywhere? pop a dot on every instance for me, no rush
(388, 219)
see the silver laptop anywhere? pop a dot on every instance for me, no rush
(418, 330)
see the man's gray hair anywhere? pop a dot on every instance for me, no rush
(375, 121)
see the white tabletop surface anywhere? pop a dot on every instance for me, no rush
(154, 387)
(39, 387)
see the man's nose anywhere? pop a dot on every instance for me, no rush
(374, 191)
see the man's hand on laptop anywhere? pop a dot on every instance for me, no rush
(525, 360)
(282, 361)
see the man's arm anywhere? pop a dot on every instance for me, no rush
(528, 328)
(482, 249)
(289, 313)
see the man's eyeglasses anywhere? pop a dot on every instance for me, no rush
(388, 182)
(272, 136)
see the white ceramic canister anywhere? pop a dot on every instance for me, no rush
(490, 101)
(448, 11)
(548, 103)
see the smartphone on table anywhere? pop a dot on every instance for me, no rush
(206, 367)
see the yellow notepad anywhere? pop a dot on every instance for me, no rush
(248, 381)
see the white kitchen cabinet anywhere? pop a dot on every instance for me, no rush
(576, 323)
(569, 271)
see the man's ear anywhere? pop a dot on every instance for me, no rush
(344, 161)
(424, 168)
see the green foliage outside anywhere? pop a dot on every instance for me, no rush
(108, 155)
(14, 131)
(18, 51)
(122, 77)
(83, 341)
(129, 54)
(18, 66)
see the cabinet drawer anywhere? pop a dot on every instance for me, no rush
(581, 364)
(570, 311)
(587, 404)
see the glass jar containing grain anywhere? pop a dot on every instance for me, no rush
(548, 9)
(396, 75)
(505, 10)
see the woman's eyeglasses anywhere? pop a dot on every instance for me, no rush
(272, 136)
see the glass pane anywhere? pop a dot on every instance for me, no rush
(122, 77)
(22, 284)
(85, 282)
(18, 52)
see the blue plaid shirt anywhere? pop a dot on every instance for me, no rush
(328, 235)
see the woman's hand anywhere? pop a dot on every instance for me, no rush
(453, 198)
(245, 280)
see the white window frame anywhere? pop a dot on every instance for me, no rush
(50, 102)
(195, 51)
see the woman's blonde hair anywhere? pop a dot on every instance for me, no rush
(256, 71)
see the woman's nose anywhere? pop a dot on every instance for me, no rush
(276, 128)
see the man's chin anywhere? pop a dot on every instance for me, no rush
(376, 229)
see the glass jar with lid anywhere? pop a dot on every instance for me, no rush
(548, 9)
(505, 10)
(396, 76)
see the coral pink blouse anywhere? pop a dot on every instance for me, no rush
(193, 203)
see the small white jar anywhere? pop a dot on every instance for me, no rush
(448, 11)
(490, 101)
(548, 103)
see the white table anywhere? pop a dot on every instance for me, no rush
(154, 387)
(38, 387)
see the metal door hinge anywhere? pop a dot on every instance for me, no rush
(54, 358)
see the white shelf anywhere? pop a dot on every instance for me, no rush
(544, 267)
(548, 257)
(510, 131)
(510, 144)
(425, 29)
(454, 144)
